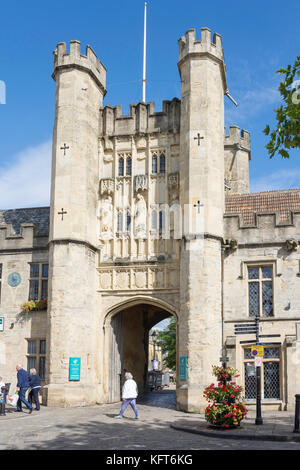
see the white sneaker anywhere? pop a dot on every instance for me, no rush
(118, 417)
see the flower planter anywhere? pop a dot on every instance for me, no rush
(225, 410)
(223, 427)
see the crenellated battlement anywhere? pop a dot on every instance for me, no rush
(28, 237)
(237, 138)
(189, 45)
(142, 118)
(88, 62)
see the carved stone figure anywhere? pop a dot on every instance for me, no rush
(106, 217)
(140, 217)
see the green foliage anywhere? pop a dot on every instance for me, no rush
(167, 341)
(286, 135)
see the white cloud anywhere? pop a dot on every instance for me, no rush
(251, 103)
(281, 179)
(26, 183)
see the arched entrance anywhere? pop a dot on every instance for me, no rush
(126, 330)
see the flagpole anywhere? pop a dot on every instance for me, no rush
(144, 58)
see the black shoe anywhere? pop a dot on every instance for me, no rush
(30, 411)
(35, 409)
(18, 411)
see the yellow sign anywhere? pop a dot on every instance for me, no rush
(257, 351)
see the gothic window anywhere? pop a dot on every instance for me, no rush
(36, 356)
(162, 163)
(128, 221)
(154, 164)
(121, 166)
(260, 291)
(161, 220)
(128, 166)
(120, 222)
(38, 282)
(270, 374)
(154, 220)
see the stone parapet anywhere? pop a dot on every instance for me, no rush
(142, 118)
(238, 139)
(74, 59)
(189, 45)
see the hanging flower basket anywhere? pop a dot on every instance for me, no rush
(34, 305)
(225, 410)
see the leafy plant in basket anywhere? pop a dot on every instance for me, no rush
(225, 408)
(33, 305)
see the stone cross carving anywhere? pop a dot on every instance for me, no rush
(198, 138)
(64, 148)
(198, 205)
(62, 213)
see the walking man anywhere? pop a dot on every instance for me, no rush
(22, 386)
(129, 394)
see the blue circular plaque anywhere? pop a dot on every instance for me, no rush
(14, 279)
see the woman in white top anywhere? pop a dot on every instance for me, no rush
(129, 394)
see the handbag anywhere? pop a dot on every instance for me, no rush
(12, 401)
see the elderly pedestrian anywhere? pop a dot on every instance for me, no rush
(35, 385)
(129, 394)
(22, 387)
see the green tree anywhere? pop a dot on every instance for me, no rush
(286, 135)
(167, 341)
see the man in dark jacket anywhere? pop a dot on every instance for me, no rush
(35, 385)
(22, 386)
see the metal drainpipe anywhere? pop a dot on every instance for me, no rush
(222, 300)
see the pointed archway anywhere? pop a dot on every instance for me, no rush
(126, 328)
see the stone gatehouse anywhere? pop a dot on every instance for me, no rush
(150, 216)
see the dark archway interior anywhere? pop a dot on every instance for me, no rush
(130, 345)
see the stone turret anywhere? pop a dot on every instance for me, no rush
(202, 71)
(80, 88)
(237, 155)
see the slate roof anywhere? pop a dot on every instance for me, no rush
(36, 215)
(247, 205)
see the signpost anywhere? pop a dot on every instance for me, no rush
(183, 368)
(74, 369)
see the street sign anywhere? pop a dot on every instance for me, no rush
(257, 350)
(245, 325)
(1, 323)
(269, 336)
(183, 368)
(246, 332)
(258, 361)
(74, 369)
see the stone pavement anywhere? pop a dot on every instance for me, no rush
(95, 428)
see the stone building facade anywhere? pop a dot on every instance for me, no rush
(150, 216)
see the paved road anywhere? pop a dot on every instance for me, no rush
(95, 428)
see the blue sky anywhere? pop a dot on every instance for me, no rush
(259, 37)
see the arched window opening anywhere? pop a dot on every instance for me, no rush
(120, 222)
(121, 166)
(154, 164)
(128, 166)
(162, 164)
